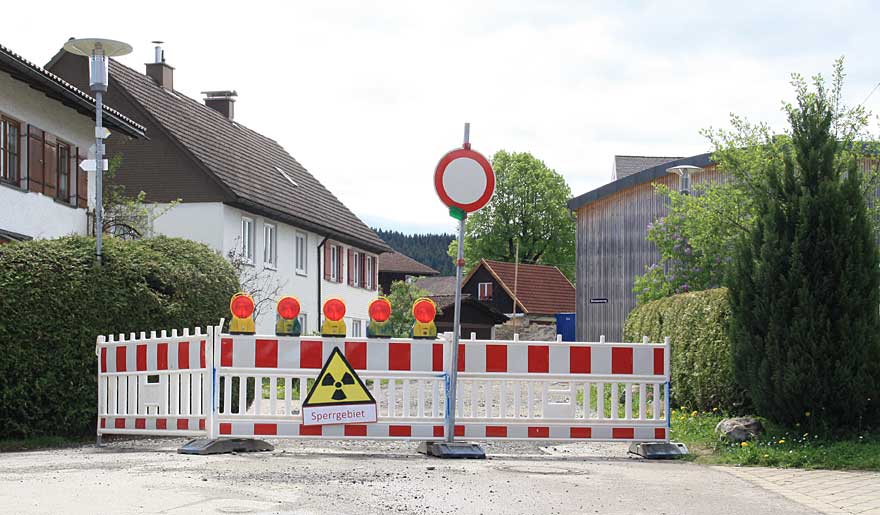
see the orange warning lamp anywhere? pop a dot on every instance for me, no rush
(380, 312)
(334, 310)
(242, 307)
(287, 323)
(424, 310)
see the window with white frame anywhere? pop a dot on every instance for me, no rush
(247, 239)
(356, 328)
(368, 275)
(356, 263)
(270, 246)
(334, 263)
(485, 292)
(304, 323)
(301, 241)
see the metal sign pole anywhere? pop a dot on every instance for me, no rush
(99, 175)
(456, 331)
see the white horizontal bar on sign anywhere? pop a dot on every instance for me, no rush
(580, 378)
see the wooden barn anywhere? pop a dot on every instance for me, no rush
(612, 248)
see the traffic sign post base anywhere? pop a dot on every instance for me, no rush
(205, 446)
(452, 450)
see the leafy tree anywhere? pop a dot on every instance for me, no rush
(805, 289)
(696, 240)
(402, 297)
(529, 207)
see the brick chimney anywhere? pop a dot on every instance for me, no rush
(159, 71)
(221, 101)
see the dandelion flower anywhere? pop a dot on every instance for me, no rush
(781, 441)
(807, 414)
(744, 444)
(694, 413)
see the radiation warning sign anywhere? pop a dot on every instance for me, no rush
(338, 396)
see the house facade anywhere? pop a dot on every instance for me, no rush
(537, 292)
(46, 128)
(477, 317)
(612, 248)
(240, 193)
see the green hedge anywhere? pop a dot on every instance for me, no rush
(54, 302)
(698, 325)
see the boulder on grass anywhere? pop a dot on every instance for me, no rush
(739, 429)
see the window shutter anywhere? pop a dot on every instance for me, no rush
(82, 186)
(339, 262)
(351, 266)
(375, 273)
(362, 262)
(327, 260)
(35, 159)
(50, 165)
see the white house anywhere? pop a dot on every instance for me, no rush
(46, 125)
(240, 192)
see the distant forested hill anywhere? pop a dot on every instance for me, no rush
(428, 249)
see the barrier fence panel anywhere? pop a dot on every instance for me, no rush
(405, 377)
(155, 385)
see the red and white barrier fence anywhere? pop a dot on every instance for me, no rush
(220, 385)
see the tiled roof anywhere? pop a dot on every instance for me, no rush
(397, 262)
(628, 165)
(57, 88)
(247, 163)
(444, 285)
(540, 289)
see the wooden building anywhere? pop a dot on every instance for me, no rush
(394, 266)
(612, 248)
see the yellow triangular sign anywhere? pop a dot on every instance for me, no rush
(338, 384)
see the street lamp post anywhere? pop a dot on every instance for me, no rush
(98, 50)
(684, 173)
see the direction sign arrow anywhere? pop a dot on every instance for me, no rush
(89, 165)
(93, 150)
(102, 132)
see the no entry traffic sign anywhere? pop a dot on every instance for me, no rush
(464, 179)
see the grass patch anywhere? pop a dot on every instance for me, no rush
(42, 442)
(777, 447)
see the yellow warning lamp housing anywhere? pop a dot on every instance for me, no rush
(241, 305)
(287, 318)
(334, 325)
(380, 313)
(424, 310)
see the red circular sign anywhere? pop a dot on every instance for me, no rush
(334, 309)
(424, 310)
(380, 310)
(464, 179)
(288, 308)
(241, 305)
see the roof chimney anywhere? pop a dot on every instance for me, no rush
(159, 71)
(221, 101)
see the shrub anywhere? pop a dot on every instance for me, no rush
(697, 324)
(55, 302)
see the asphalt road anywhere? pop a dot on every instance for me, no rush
(148, 476)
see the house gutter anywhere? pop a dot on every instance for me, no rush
(320, 272)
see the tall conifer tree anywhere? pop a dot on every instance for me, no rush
(806, 288)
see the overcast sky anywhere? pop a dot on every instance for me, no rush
(369, 95)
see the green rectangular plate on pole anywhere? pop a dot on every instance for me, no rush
(456, 213)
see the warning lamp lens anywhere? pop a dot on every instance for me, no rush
(288, 308)
(334, 309)
(380, 310)
(424, 310)
(242, 306)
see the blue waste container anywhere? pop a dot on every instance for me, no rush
(566, 326)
